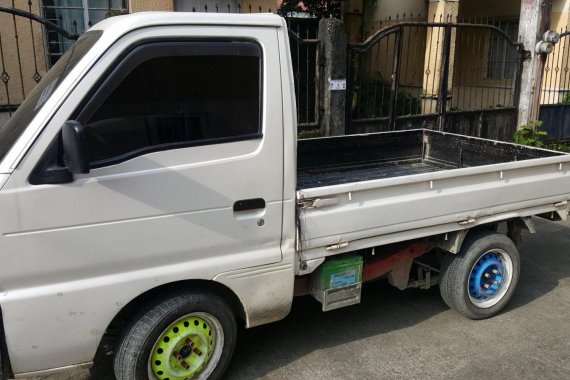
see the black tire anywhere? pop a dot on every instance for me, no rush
(139, 338)
(4, 362)
(459, 273)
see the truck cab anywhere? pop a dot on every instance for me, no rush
(150, 156)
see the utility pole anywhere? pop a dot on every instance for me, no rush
(534, 20)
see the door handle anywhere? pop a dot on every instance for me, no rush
(249, 204)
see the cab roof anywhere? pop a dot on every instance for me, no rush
(126, 23)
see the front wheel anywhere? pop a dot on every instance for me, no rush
(480, 280)
(185, 336)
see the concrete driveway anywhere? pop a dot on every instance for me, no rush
(412, 334)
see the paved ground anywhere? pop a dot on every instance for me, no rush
(412, 334)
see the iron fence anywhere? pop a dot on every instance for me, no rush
(556, 75)
(228, 8)
(457, 77)
(555, 90)
(21, 32)
(304, 45)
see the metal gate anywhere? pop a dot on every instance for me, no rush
(555, 93)
(454, 77)
(23, 54)
(304, 45)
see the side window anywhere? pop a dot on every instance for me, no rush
(167, 95)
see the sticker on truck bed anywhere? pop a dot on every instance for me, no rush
(343, 278)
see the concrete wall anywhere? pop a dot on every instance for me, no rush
(560, 16)
(387, 12)
(385, 8)
(509, 9)
(150, 5)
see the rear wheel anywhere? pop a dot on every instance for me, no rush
(480, 280)
(188, 336)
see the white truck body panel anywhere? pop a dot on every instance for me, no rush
(77, 253)
(366, 214)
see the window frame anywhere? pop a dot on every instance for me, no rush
(120, 69)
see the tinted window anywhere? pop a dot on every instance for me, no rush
(176, 94)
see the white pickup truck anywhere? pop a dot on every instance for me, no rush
(153, 190)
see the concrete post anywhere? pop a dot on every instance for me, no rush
(531, 11)
(332, 50)
(444, 11)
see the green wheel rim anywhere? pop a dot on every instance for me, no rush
(184, 349)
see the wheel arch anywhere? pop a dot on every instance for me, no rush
(145, 299)
(453, 242)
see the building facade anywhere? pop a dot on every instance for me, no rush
(482, 69)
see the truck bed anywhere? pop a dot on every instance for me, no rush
(345, 159)
(346, 174)
(361, 191)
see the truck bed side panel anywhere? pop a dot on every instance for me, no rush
(426, 203)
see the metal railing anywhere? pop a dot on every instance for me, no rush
(431, 74)
(555, 91)
(21, 33)
(556, 76)
(305, 58)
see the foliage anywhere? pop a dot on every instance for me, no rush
(559, 146)
(566, 99)
(317, 8)
(373, 100)
(530, 135)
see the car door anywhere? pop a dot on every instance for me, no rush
(185, 146)
(185, 142)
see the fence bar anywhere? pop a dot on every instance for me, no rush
(5, 76)
(395, 76)
(444, 76)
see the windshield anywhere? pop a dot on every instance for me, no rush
(16, 125)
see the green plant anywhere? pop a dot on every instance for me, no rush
(559, 146)
(530, 134)
(566, 99)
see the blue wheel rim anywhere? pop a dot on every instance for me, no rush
(489, 278)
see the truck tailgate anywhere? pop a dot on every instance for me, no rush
(419, 183)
